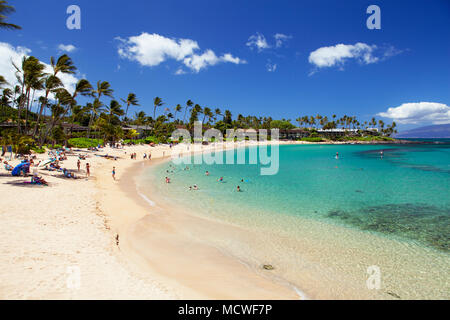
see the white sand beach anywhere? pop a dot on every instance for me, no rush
(77, 230)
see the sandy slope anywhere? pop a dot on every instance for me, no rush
(47, 233)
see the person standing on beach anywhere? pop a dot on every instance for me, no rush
(114, 173)
(88, 170)
(78, 164)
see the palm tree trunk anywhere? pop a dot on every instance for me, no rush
(43, 105)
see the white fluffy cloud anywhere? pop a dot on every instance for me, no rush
(66, 47)
(419, 112)
(258, 41)
(338, 54)
(153, 49)
(9, 54)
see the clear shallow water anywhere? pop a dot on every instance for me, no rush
(404, 195)
(322, 222)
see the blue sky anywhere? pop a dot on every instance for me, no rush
(400, 66)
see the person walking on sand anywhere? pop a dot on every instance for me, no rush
(78, 164)
(88, 170)
(114, 173)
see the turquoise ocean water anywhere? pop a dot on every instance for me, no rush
(403, 195)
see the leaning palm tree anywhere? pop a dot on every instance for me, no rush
(52, 83)
(5, 10)
(131, 101)
(28, 75)
(178, 108)
(64, 64)
(157, 102)
(189, 104)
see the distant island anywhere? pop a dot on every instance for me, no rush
(441, 131)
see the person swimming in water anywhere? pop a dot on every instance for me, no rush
(195, 187)
(337, 155)
(381, 154)
(220, 179)
(207, 173)
(167, 180)
(238, 189)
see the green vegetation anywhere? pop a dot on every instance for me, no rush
(312, 139)
(38, 150)
(84, 142)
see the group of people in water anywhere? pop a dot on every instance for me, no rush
(195, 187)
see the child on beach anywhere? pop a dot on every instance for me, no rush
(114, 173)
(78, 164)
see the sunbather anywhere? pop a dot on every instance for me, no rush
(38, 180)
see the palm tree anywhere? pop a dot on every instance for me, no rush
(140, 118)
(130, 101)
(114, 109)
(51, 84)
(64, 64)
(5, 100)
(178, 108)
(157, 102)
(217, 112)
(84, 88)
(95, 109)
(189, 104)
(207, 113)
(103, 89)
(228, 117)
(3, 81)
(59, 110)
(28, 76)
(5, 10)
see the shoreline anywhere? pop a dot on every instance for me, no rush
(218, 276)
